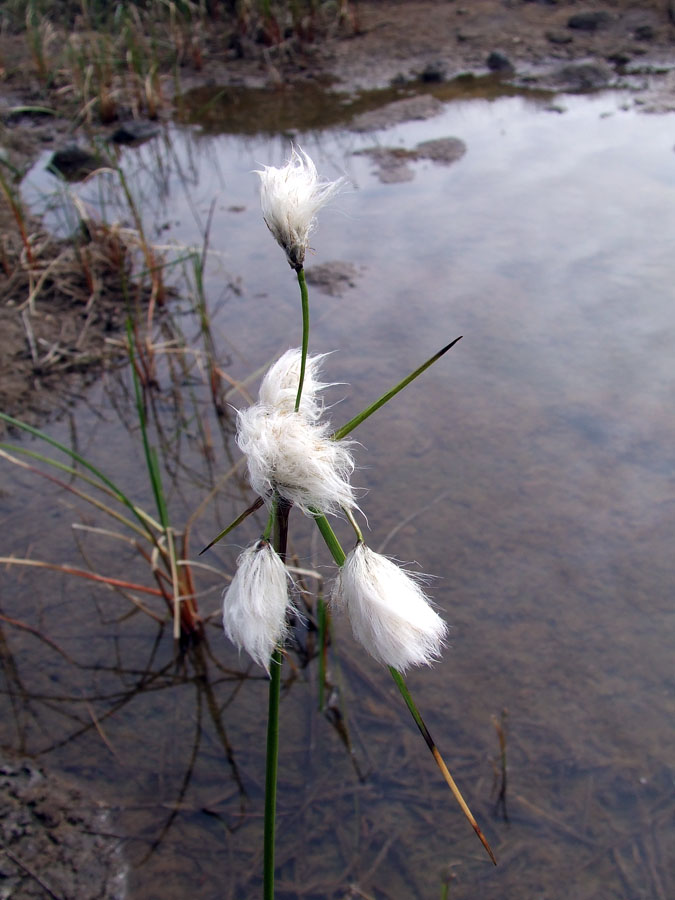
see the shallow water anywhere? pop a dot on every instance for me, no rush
(532, 468)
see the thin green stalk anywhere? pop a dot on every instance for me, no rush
(151, 460)
(362, 416)
(339, 556)
(271, 774)
(280, 512)
(305, 332)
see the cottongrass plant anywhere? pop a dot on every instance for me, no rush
(293, 459)
(290, 454)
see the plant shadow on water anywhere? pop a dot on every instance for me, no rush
(540, 489)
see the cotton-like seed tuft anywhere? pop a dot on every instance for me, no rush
(296, 458)
(390, 614)
(256, 601)
(290, 198)
(279, 387)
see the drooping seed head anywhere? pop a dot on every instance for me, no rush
(389, 613)
(256, 601)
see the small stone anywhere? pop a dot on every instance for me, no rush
(620, 58)
(583, 77)
(134, 132)
(498, 62)
(644, 33)
(559, 37)
(589, 21)
(433, 73)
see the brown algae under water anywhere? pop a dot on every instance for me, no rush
(531, 471)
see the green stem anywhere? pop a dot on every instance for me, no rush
(330, 538)
(353, 523)
(280, 511)
(271, 774)
(305, 332)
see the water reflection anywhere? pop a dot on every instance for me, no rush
(548, 434)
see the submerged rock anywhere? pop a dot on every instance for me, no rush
(409, 109)
(393, 163)
(441, 150)
(332, 278)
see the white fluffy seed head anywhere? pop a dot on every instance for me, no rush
(290, 198)
(256, 601)
(390, 614)
(279, 387)
(297, 458)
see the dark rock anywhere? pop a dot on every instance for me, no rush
(433, 73)
(134, 132)
(589, 21)
(644, 33)
(583, 77)
(559, 37)
(73, 162)
(620, 58)
(497, 62)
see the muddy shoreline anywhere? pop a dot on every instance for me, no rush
(50, 350)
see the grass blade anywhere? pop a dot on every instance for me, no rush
(362, 416)
(246, 513)
(339, 556)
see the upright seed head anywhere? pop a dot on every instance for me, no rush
(291, 452)
(290, 198)
(279, 387)
(390, 614)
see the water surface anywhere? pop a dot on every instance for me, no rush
(532, 472)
